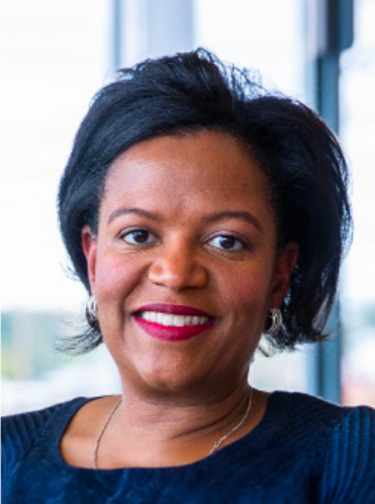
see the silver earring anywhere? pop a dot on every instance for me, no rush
(277, 321)
(92, 308)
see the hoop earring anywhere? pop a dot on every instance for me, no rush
(277, 321)
(92, 308)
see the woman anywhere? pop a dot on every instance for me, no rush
(199, 211)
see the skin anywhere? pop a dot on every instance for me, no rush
(180, 397)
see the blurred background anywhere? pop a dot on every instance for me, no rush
(57, 55)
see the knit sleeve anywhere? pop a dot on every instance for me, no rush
(18, 434)
(349, 469)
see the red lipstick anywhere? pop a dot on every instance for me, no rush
(167, 328)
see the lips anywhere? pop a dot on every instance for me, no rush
(172, 322)
(174, 309)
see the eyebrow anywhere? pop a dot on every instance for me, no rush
(246, 216)
(134, 211)
(227, 214)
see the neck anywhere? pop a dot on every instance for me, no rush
(174, 417)
(162, 433)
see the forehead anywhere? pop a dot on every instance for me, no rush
(206, 169)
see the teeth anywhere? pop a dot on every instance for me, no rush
(168, 319)
(178, 320)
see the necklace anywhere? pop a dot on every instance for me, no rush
(221, 440)
(105, 425)
(214, 448)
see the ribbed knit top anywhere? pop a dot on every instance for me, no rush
(304, 450)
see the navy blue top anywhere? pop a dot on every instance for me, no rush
(305, 450)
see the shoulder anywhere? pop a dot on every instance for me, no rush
(19, 432)
(315, 412)
(349, 470)
(322, 421)
(26, 425)
(353, 425)
(308, 423)
(342, 441)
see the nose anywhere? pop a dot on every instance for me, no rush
(177, 267)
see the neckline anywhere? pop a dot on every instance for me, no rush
(64, 418)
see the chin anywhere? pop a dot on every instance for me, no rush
(173, 383)
(168, 380)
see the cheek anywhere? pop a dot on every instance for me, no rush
(247, 295)
(115, 279)
(248, 289)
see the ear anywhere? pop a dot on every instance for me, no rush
(285, 263)
(88, 243)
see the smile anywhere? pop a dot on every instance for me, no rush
(169, 320)
(170, 323)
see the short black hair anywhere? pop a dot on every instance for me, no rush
(299, 154)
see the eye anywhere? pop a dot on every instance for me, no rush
(227, 242)
(138, 237)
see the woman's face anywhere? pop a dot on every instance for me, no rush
(184, 265)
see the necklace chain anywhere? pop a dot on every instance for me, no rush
(97, 442)
(221, 440)
(214, 448)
